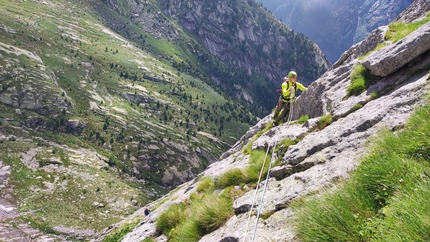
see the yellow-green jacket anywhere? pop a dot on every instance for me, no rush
(286, 90)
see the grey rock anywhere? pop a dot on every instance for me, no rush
(363, 47)
(417, 10)
(391, 58)
(75, 126)
(280, 172)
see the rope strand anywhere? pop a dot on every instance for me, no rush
(255, 195)
(290, 116)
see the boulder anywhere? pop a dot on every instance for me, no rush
(391, 58)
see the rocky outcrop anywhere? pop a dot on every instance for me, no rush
(417, 10)
(322, 155)
(375, 37)
(389, 59)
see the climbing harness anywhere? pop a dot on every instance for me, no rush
(290, 115)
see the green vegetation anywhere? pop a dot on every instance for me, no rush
(206, 184)
(386, 197)
(373, 96)
(63, 197)
(231, 178)
(324, 121)
(359, 78)
(190, 220)
(251, 174)
(205, 211)
(356, 107)
(303, 119)
(124, 92)
(398, 30)
(119, 233)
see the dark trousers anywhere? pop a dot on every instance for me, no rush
(281, 106)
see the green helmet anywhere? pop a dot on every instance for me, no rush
(292, 74)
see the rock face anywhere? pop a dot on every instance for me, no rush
(335, 25)
(389, 59)
(321, 156)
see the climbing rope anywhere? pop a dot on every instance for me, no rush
(264, 192)
(290, 115)
(255, 195)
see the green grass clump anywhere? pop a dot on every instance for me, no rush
(120, 232)
(324, 121)
(231, 178)
(358, 81)
(251, 174)
(356, 107)
(205, 184)
(190, 220)
(256, 162)
(303, 119)
(386, 198)
(171, 218)
(398, 30)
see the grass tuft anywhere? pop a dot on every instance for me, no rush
(398, 30)
(303, 119)
(205, 184)
(386, 198)
(358, 81)
(324, 121)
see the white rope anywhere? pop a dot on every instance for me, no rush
(290, 116)
(255, 195)
(264, 192)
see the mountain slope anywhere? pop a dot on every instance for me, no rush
(336, 25)
(307, 157)
(95, 123)
(233, 43)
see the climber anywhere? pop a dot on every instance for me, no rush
(289, 86)
(147, 211)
